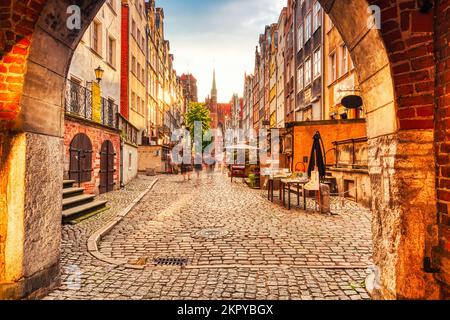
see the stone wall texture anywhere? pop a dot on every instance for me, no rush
(442, 137)
(97, 135)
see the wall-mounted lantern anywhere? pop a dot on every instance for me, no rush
(99, 74)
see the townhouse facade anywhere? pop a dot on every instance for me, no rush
(92, 98)
(301, 74)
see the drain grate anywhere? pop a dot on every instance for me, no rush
(174, 262)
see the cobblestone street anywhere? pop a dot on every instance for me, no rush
(237, 244)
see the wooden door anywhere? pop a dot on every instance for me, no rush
(107, 160)
(80, 168)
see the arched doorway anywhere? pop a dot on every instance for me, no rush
(396, 67)
(80, 169)
(107, 170)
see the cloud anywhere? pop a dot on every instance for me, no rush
(218, 33)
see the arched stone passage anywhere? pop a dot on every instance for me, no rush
(396, 76)
(398, 79)
(36, 48)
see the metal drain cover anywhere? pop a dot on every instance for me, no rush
(181, 262)
(211, 233)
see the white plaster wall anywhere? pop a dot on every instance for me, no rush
(85, 60)
(130, 169)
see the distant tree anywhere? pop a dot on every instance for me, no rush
(198, 113)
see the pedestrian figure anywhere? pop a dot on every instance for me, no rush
(186, 170)
(198, 166)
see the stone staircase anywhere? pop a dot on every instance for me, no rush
(78, 206)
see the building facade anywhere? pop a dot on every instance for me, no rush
(190, 90)
(340, 78)
(92, 104)
(280, 105)
(308, 60)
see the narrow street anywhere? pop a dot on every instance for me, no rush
(237, 245)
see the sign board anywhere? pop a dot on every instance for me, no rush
(343, 88)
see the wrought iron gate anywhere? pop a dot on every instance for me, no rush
(107, 160)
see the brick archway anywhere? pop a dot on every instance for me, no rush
(36, 48)
(403, 75)
(396, 67)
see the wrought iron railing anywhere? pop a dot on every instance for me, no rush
(129, 132)
(78, 102)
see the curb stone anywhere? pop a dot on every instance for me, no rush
(94, 239)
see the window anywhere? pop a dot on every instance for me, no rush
(300, 38)
(138, 37)
(300, 78)
(112, 4)
(333, 74)
(317, 15)
(344, 60)
(330, 23)
(112, 51)
(133, 101)
(130, 161)
(317, 63)
(307, 71)
(133, 65)
(138, 75)
(97, 37)
(133, 28)
(143, 75)
(308, 27)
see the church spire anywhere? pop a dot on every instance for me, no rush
(214, 86)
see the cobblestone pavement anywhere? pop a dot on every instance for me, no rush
(238, 246)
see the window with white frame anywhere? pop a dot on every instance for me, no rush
(111, 51)
(317, 63)
(300, 38)
(307, 71)
(317, 15)
(330, 23)
(308, 27)
(344, 60)
(97, 37)
(300, 78)
(332, 72)
(112, 3)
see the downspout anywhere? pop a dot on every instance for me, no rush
(122, 184)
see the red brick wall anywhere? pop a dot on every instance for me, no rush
(97, 135)
(124, 64)
(17, 20)
(442, 136)
(408, 36)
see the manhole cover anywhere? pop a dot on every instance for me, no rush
(211, 233)
(170, 262)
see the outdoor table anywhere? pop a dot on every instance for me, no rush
(271, 184)
(287, 183)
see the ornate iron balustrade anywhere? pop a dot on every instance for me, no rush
(129, 132)
(78, 102)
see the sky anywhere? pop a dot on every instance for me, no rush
(220, 34)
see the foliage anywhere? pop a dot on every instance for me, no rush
(198, 113)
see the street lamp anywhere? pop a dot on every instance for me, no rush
(99, 74)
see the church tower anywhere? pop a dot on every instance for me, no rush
(214, 89)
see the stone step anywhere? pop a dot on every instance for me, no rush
(77, 200)
(84, 209)
(72, 192)
(68, 183)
